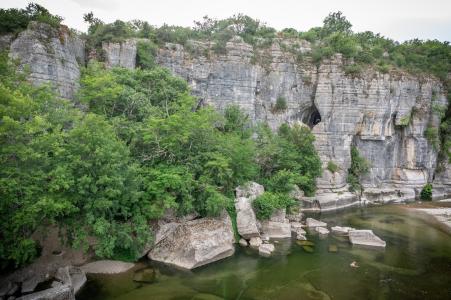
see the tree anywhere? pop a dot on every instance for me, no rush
(336, 22)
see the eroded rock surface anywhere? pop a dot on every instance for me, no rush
(195, 243)
(53, 56)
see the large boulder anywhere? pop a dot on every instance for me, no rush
(276, 230)
(195, 243)
(245, 218)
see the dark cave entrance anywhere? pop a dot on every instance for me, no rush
(311, 116)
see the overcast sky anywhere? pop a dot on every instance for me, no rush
(397, 19)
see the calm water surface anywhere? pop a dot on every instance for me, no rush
(416, 264)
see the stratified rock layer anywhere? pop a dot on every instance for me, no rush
(52, 57)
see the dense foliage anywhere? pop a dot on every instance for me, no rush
(426, 192)
(14, 20)
(141, 146)
(266, 204)
(359, 166)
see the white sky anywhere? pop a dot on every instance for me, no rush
(398, 19)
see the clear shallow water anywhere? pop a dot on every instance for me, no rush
(416, 264)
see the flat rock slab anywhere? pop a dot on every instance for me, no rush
(441, 214)
(311, 223)
(322, 230)
(365, 238)
(341, 230)
(107, 267)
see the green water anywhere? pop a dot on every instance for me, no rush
(416, 264)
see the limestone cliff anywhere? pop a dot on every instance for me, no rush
(383, 115)
(52, 56)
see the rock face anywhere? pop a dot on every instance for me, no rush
(52, 56)
(365, 238)
(195, 243)
(120, 54)
(383, 115)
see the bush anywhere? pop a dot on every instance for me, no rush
(266, 204)
(353, 70)
(145, 54)
(426, 192)
(432, 135)
(281, 104)
(15, 20)
(332, 167)
(359, 167)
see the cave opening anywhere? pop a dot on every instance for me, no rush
(311, 117)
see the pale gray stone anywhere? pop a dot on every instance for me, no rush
(311, 223)
(243, 242)
(196, 243)
(365, 238)
(255, 242)
(266, 249)
(245, 218)
(107, 267)
(276, 229)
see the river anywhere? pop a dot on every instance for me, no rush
(416, 264)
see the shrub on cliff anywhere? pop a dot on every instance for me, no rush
(426, 192)
(15, 20)
(266, 204)
(359, 167)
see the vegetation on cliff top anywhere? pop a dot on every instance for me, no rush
(15, 20)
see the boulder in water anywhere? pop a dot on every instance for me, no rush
(365, 238)
(196, 243)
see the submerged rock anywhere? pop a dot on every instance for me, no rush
(312, 223)
(305, 243)
(308, 249)
(107, 267)
(365, 238)
(266, 249)
(333, 248)
(147, 275)
(195, 243)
